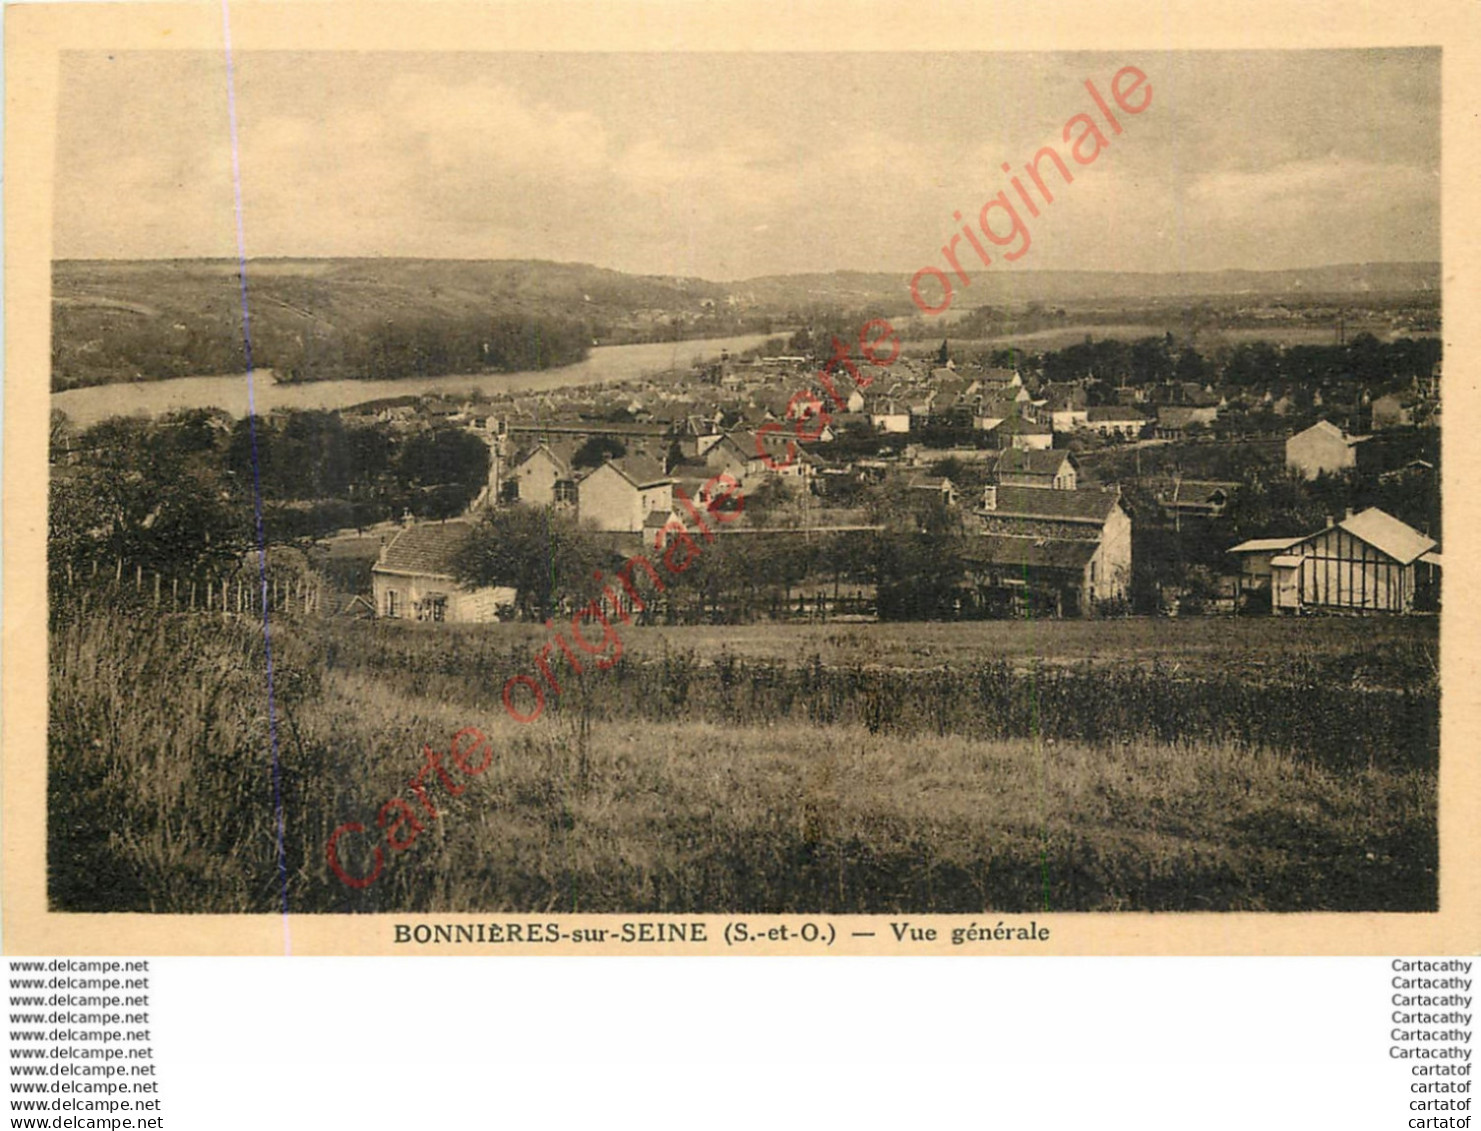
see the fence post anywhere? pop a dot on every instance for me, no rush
(174, 594)
(156, 590)
(192, 594)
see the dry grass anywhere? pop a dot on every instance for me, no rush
(671, 792)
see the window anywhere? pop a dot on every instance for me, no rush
(393, 603)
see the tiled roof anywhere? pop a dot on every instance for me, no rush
(1014, 551)
(428, 547)
(1105, 413)
(640, 471)
(1398, 540)
(1197, 492)
(1062, 396)
(1086, 505)
(1018, 425)
(999, 408)
(1265, 545)
(1330, 428)
(1046, 461)
(560, 451)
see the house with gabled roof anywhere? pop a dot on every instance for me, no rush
(1072, 548)
(543, 476)
(1020, 432)
(938, 485)
(1067, 406)
(1175, 420)
(1322, 448)
(1369, 562)
(749, 457)
(621, 494)
(990, 412)
(1195, 498)
(887, 416)
(414, 578)
(1051, 468)
(1115, 420)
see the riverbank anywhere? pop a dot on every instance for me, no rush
(229, 392)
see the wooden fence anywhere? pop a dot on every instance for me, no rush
(238, 591)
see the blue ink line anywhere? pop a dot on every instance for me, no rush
(267, 638)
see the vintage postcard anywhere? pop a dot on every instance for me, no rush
(670, 479)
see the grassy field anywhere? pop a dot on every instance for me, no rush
(1111, 765)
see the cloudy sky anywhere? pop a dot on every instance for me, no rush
(730, 166)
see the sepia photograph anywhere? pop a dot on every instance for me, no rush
(793, 483)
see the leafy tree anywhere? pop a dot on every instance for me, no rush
(598, 450)
(1192, 367)
(141, 501)
(449, 466)
(542, 553)
(1151, 361)
(950, 468)
(917, 558)
(766, 503)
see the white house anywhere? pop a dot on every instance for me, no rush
(1115, 420)
(544, 478)
(1072, 544)
(1038, 468)
(1322, 447)
(621, 494)
(414, 578)
(890, 417)
(1369, 562)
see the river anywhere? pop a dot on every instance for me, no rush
(606, 365)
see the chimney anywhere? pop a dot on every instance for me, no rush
(1348, 515)
(1330, 523)
(990, 497)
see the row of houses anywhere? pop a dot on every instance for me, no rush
(1036, 535)
(1035, 539)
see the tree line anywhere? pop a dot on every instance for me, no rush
(180, 493)
(915, 562)
(1159, 360)
(91, 347)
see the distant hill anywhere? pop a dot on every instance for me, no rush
(998, 287)
(321, 318)
(317, 319)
